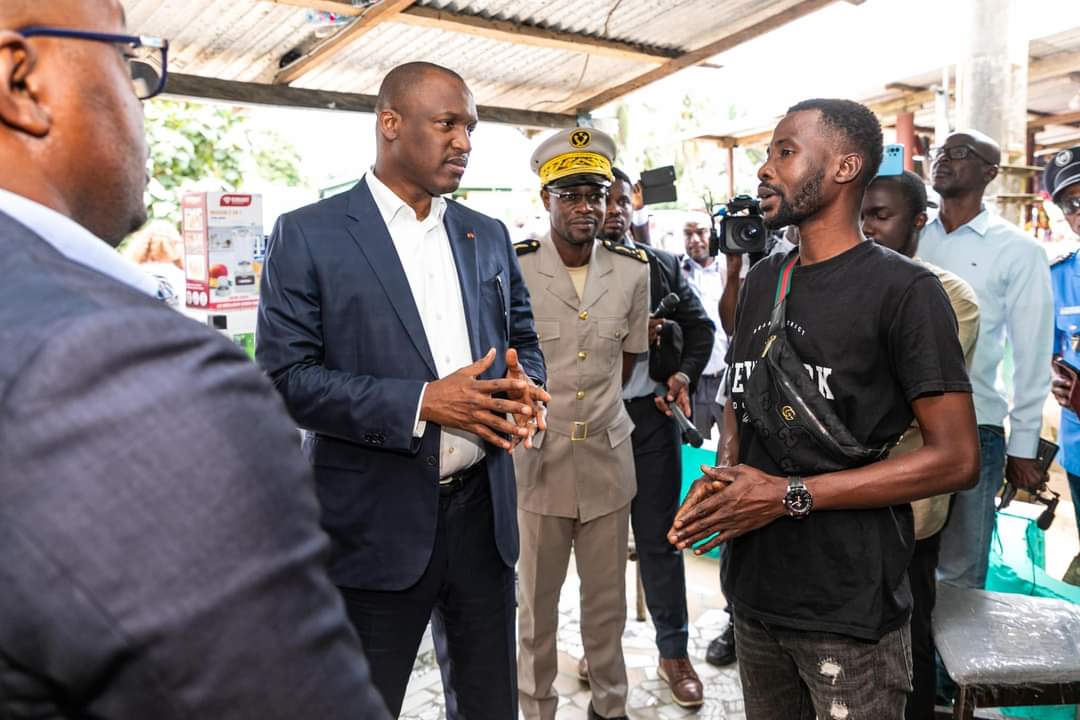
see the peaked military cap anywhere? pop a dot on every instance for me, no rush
(575, 156)
(1062, 171)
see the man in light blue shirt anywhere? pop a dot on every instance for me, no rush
(1011, 277)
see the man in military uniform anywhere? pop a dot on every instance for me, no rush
(590, 303)
(1062, 181)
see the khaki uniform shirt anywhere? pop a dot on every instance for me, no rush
(931, 513)
(583, 465)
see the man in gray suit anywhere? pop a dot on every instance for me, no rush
(160, 555)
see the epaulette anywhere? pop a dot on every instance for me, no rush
(632, 252)
(1062, 258)
(526, 246)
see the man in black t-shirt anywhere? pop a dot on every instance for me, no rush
(816, 565)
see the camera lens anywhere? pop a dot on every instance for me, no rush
(748, 234)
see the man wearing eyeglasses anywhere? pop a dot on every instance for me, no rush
(1010, 275)
(1062, 181)
(160, 552)
(591, 304)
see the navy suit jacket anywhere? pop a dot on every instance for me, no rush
(160, 550)
(341, 338)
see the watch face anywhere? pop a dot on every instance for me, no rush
(798, 502)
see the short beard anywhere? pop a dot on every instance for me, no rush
(806, 203)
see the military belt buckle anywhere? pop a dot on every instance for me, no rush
(580, 431)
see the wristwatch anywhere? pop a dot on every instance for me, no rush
(797, 501)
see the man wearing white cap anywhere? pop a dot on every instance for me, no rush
(590, 303)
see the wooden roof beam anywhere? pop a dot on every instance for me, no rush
(243, 93)
(534, 35)
(1063, 119)
(504, 31)
(325, 51)
(762, 25)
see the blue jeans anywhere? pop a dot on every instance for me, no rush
(965, 541)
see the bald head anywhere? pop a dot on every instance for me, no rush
(406, 81)
(967, 162)
(985, 145)
(69, 115)
(16, 14)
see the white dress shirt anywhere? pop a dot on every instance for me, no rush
(1010, 274)
(424, 250)
(709, 281)
(75, 242)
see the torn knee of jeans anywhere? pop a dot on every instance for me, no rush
(830, 669)
(838, 710)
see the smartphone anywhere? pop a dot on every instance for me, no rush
(658, 185)
(1045, 454)
(892, 161)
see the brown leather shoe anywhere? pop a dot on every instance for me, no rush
(583, 670)
(686, 688)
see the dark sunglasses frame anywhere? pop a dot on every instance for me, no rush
(941, 151)
(133, 41)
(1070, 206)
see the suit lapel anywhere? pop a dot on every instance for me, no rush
(463, 244)
(369, 231)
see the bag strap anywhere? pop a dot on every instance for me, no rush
(783, 288)
(783, 282)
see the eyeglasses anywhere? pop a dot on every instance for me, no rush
(147, 57)
(956, 152)
(1070, 206)
(571, 199)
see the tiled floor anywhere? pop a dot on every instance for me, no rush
(649, 698)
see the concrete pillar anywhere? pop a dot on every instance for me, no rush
(991, 86)
(730, 171)
(905, 135)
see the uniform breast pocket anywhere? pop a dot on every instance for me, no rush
(548, 330)
(1068, 324)
(611, 334)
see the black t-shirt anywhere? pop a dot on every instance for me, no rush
(876, 331)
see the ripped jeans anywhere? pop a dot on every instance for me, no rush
(800, 675)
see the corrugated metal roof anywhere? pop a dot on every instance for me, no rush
(244, 40)
(684, 24)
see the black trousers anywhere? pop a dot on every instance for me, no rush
(468, 594)
(658, 463)
(921, 575)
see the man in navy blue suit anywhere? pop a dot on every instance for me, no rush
(398, 329)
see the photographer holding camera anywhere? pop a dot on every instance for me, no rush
(679, 347)
(837, 347)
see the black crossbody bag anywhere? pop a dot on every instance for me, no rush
(796, 424)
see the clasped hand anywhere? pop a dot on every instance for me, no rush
(461, 400)
(727, 502)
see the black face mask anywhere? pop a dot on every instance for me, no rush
(794, 421)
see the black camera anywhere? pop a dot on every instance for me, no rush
(738, 228)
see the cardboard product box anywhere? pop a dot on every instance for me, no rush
(223, 249)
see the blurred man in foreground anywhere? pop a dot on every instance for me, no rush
(160, 554)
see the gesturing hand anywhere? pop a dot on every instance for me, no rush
(461, 401)
(1060, 385)
(727, 502)
(532, 395)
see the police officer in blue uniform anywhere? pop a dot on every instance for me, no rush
(1062, 181)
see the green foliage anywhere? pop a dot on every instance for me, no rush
(196, 146)
(653, 132)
